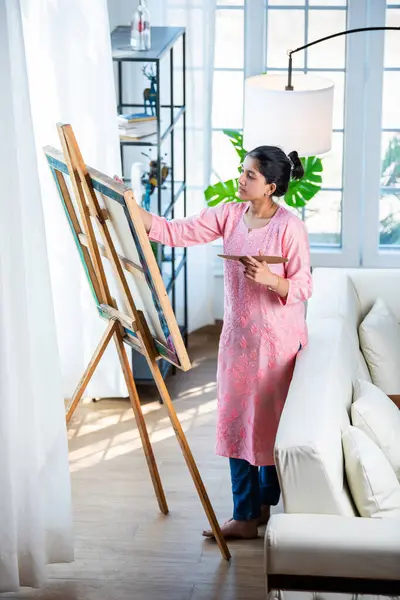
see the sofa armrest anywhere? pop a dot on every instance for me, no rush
(333, 546)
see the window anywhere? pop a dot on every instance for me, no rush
(381, 241)
(228, 82)
(389, 207)
(294, 24)
(355, 219)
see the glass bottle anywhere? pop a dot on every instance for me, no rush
(140, 28)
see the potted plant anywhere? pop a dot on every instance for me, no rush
(299, 191)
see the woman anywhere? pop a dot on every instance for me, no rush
(264, 323)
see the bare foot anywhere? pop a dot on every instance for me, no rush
(265, 515)
(242, 530)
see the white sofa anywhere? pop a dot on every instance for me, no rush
(320, 543)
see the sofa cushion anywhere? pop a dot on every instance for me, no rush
(379, 335)
(334, 295)
(372, 481)
(376, 414)
(333, 546)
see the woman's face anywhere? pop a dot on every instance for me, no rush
(252, 184)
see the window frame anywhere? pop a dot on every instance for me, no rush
(374, 255)
(362, 127)
(347, 254)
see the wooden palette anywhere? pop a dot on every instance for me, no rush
(272, 260)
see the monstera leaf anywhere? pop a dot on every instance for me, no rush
(299, 191)
(223, 191)
(236, 139)
(302, 190)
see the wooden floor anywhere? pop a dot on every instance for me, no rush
(124, 547)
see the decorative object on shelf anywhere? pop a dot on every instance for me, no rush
(150, 181)
(150, 94)
(299, 191)
(294, 113)
(136, 126)
(140, 28)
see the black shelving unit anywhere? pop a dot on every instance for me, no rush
(171, 262)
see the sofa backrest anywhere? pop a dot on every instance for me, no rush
(334, 295)
(373, 283)
(351, 293)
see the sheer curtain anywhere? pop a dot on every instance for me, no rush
(71, 80)
(35, 511)
(199, 20)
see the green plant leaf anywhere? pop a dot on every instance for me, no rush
(223, 191)
(302, 190)
(154, 246)
(298, 194)
(236, 139)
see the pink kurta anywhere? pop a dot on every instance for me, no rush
(261, 332)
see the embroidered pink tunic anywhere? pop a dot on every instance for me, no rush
(261, 331)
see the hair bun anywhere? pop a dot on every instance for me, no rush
(297, 167)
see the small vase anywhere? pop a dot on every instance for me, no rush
(140, 28)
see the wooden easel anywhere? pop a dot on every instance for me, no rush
(89, 209)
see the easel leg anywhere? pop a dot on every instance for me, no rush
(137, 409)
(187, 453)
(98, 353)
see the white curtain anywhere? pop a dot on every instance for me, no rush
(199, 20)
(71, 80)
(35, 511)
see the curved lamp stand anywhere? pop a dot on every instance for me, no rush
(289, 86)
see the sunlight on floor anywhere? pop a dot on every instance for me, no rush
(117, 443)
(198, 391)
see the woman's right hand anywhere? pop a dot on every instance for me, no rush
(146, 216)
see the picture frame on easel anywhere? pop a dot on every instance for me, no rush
(135, 253)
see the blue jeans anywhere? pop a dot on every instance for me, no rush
(252, 487)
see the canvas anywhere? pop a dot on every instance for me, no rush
(135, 254)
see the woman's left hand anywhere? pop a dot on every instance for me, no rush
(259, 272)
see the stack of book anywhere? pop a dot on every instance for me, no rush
(136, 126)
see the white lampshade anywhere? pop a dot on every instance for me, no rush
(299, 120)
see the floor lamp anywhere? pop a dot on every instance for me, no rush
(292, 111)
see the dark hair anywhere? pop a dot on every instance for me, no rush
(277, 167)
